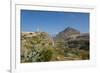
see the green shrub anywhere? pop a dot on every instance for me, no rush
(37, 48)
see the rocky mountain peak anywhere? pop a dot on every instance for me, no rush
(69, 31)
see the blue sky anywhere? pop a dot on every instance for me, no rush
(53, 22)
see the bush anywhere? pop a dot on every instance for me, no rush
(45, 55)
(36, 48)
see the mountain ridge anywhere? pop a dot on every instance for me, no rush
(70, 32)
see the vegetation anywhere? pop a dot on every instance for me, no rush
(40, 47)
(36, 48)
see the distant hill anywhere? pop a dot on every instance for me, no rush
(73, 38)
(71, 33)
(66, 33)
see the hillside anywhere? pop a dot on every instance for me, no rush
(69, 44)
(73, 37)
(34, 44)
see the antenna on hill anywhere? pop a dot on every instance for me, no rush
(38, 29)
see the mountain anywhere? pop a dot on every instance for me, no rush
(68, 32)
(83, 36)
(73, 38)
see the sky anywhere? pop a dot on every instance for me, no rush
(53, 22)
